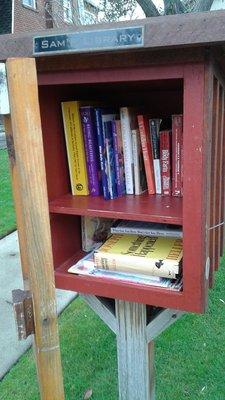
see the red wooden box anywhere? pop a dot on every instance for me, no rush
(184, 78)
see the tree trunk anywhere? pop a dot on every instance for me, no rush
(149, 8)
(173, 7)
(202, 5)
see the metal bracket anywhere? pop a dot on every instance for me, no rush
(4, 98)
(23, 310)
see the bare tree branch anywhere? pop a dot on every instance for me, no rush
(202, 5)
(174, 7)
(149, 8)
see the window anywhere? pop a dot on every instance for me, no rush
(30, 3)
(67, 11)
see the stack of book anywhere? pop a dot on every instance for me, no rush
(118, 152)
(133, 252)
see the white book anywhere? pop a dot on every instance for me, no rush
(146, 229)
(126, 120)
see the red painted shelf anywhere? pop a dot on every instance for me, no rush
(106, 287)
(154, 208)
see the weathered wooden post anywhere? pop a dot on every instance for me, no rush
(24, 140)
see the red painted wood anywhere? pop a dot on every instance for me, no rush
(218, 193)
(107, 287)
(112, 75)
(194, 200)
(213, 178)
(222, 244)
(153, 208)
(66, 237)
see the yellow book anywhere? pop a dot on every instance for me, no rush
(159, 256)
(75, 147)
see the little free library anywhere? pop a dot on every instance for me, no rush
(116, 139)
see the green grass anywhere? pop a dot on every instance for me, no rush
(7, 214)
(189, 355)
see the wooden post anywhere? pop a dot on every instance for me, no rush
(28, 167)
(135, 346)
(135, 355)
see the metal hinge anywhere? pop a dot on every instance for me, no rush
(23, 310)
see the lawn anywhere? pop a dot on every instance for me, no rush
(7, 214)
(189, 355)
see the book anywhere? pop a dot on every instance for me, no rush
(86, 267)
(156, 256)
(165, 160)
(127, 123)
(91, 150)
(102, 152)
(94, 231)
(75, 147)
(146, 229)
(140, 184)
(177, 151)
(147, 152)
(154, 125)
(118, 154)
(110, 158)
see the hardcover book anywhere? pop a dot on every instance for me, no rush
(127, 122)
(157, 256)
(147, 152)
(140, 184)
(177, 151)
(110, 158)
(90, 141)
(86, 267)
(146, 229)
(102, 152)
(165, 159)
(154, 125)
(75, 147)
(118, 154)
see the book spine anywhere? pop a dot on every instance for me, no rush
(120, 156)
(154, 134)
(147, 153)
(127, 149)
(101, 149)
(110, 159)
(75, 148)
(146, 232)
(177, 145)
(134, 264)
(119, 181)
(165, 158)
(89, 131)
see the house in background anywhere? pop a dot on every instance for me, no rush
(34, 15)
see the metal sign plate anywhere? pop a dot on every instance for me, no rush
(105, 39)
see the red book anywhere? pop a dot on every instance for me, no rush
(177, 152)
(165, 161)
(143, 124)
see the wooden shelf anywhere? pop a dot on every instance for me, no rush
(143, 208)
(111, 288)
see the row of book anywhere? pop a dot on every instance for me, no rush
(122, 152)
(125, 250)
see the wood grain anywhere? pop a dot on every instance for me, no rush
(34, 220)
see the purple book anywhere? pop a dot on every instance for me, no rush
(91, 149)
(117, 140)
